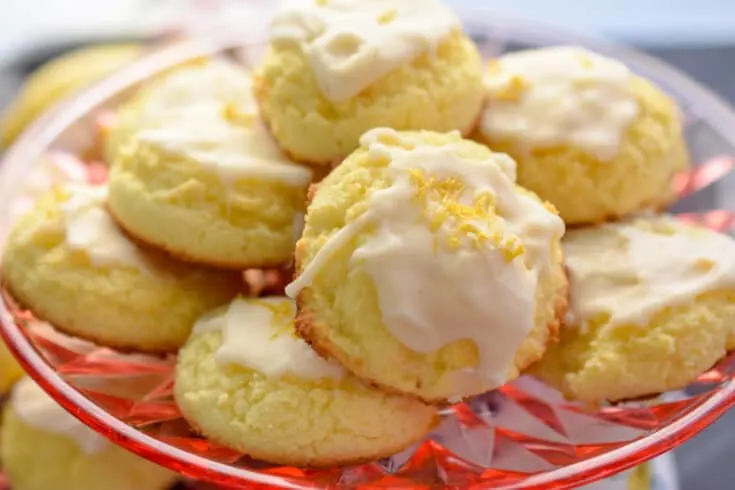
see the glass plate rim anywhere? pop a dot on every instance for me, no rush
(42, 133)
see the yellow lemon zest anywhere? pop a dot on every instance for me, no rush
(282, 317)
(463, 222)
(586, 62)
(396, 141)
(704, 264)
(387, 17)
(493, 67)
(512, 91)
(232, 113)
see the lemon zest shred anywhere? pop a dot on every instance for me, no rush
(282, 317)
(387, 17)
(468, 223)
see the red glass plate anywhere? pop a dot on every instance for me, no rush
(521, 436)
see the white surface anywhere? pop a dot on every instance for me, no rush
(28, 22)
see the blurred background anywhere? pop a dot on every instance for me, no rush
(696, 36)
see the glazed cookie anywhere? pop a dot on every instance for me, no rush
(210, 187)
(424, 269)
(336, 69)
(45, 447)
(59, 79)
(155, 103)
(10, 371)
(652, 304)
(595, 140)
(246, 381)
(68, 263)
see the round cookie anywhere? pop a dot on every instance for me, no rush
(337, 69)
(69, 264)
(155, 103)
(589, 136)
(244, 380)
(60, 78)
(424, 269)
(10, 370)
(652, 304)
(210, 187)
(45, 447)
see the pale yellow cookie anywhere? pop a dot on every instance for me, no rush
(71, 265)
(424, 269)
(246, 381)
(652, 305)
(589, 136)
(336, 70)
(209, 186)
(45, 447)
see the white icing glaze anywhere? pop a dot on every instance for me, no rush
(231, 149)
(214, 81)
(259, 334)
(35, 408)
(350, 44)
(89, 228)
(558, 96)
(632, 271)
(432, 289)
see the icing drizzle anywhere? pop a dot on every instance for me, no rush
(350, 44)
(259, 334)
(457, 250)
(557, 96)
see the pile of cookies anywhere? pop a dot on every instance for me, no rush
(416, 200)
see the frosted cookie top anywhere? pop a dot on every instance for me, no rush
(350, 44)
(228, 139)
(210, 81)
(560, 96)
(631, 271)
(35, 408)
(456, 252)
(90, 229)
(259, 334)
